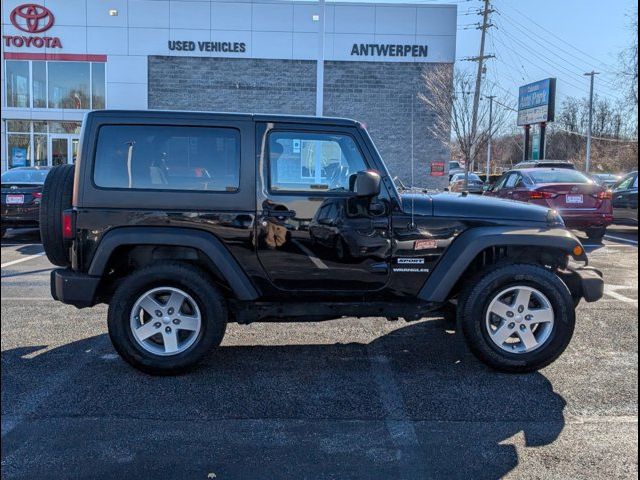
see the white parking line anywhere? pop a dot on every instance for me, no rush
(610, 290)
(20, 260)
(316, 261)
(620, 239)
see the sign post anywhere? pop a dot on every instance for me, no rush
(536, 105)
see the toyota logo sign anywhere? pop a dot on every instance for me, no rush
(32, 18)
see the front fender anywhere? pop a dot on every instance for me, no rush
(469, 244)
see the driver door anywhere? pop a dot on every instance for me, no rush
(312, 234)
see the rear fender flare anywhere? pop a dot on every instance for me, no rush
(205, 242)
(469, 244)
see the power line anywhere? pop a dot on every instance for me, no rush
(523, 29)
(559, 38)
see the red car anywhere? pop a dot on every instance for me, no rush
(582, 203)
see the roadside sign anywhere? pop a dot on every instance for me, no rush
(536, 102)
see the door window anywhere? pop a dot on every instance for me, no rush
(312, 162)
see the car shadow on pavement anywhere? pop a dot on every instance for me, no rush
(411, 404)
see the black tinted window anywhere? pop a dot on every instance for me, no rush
(168, 158)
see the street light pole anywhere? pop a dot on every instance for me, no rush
(591, 74)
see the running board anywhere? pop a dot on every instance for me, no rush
(248, 312)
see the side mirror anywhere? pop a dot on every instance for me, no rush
(367, 184)
(447, 189)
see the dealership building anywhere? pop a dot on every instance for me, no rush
(62, 58)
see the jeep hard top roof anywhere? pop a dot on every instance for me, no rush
(255, 117)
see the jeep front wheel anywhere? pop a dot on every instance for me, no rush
(517, 318)
(163, 319)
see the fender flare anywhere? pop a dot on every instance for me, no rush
(469, 244)
(205, 242)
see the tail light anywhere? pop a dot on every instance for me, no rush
(541, 195)
(68, 229)
(37, 197)
(606, 195)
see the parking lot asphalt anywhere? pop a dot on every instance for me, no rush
(352, 398)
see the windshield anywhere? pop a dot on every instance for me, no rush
(453, 165)
(559, 176)
(24, 176)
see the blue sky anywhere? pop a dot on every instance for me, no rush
(536, 39)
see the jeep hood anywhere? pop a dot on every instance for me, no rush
(453, 205)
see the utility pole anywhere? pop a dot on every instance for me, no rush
(491, 97)
(476, 97)
(591, 74)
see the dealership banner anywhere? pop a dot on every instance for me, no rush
(536, 102)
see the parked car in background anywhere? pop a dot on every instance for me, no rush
(582, 203)
(476, 185)
(21, 196)
(625, 199)
(608, 180)
(545, 164)
(455, 167)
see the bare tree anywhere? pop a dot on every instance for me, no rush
(448, 94)
(628, 60)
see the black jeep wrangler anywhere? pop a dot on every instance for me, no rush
(183, 222)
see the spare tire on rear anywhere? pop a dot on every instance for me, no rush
(56, 198)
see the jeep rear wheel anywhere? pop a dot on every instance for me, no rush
(517, 318)
(163, 319)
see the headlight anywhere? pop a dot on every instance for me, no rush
(554, 219)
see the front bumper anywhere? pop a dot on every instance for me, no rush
(73, 288)
(591, 283)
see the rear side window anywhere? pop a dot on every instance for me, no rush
(159, 157)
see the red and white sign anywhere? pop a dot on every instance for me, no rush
(32, 19)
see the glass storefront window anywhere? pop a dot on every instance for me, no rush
(97, 85)
(69, 85)
(18, 146)
(18, 126)
(17, 75)
(40, 156)
(64, 127)
(40, 127)
(39, 71)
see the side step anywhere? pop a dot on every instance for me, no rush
(248, 312)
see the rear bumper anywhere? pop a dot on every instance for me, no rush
(586, 220)
(591, 282)
(73, 288)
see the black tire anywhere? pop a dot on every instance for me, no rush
(477, 296)
(191, 280)
(3, 231)
(596, 233)
(57, 196)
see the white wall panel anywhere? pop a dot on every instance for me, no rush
(230, 16)
(98, 13)
(107, 40)
(149, 13)
(190, 15)
(128, 96)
